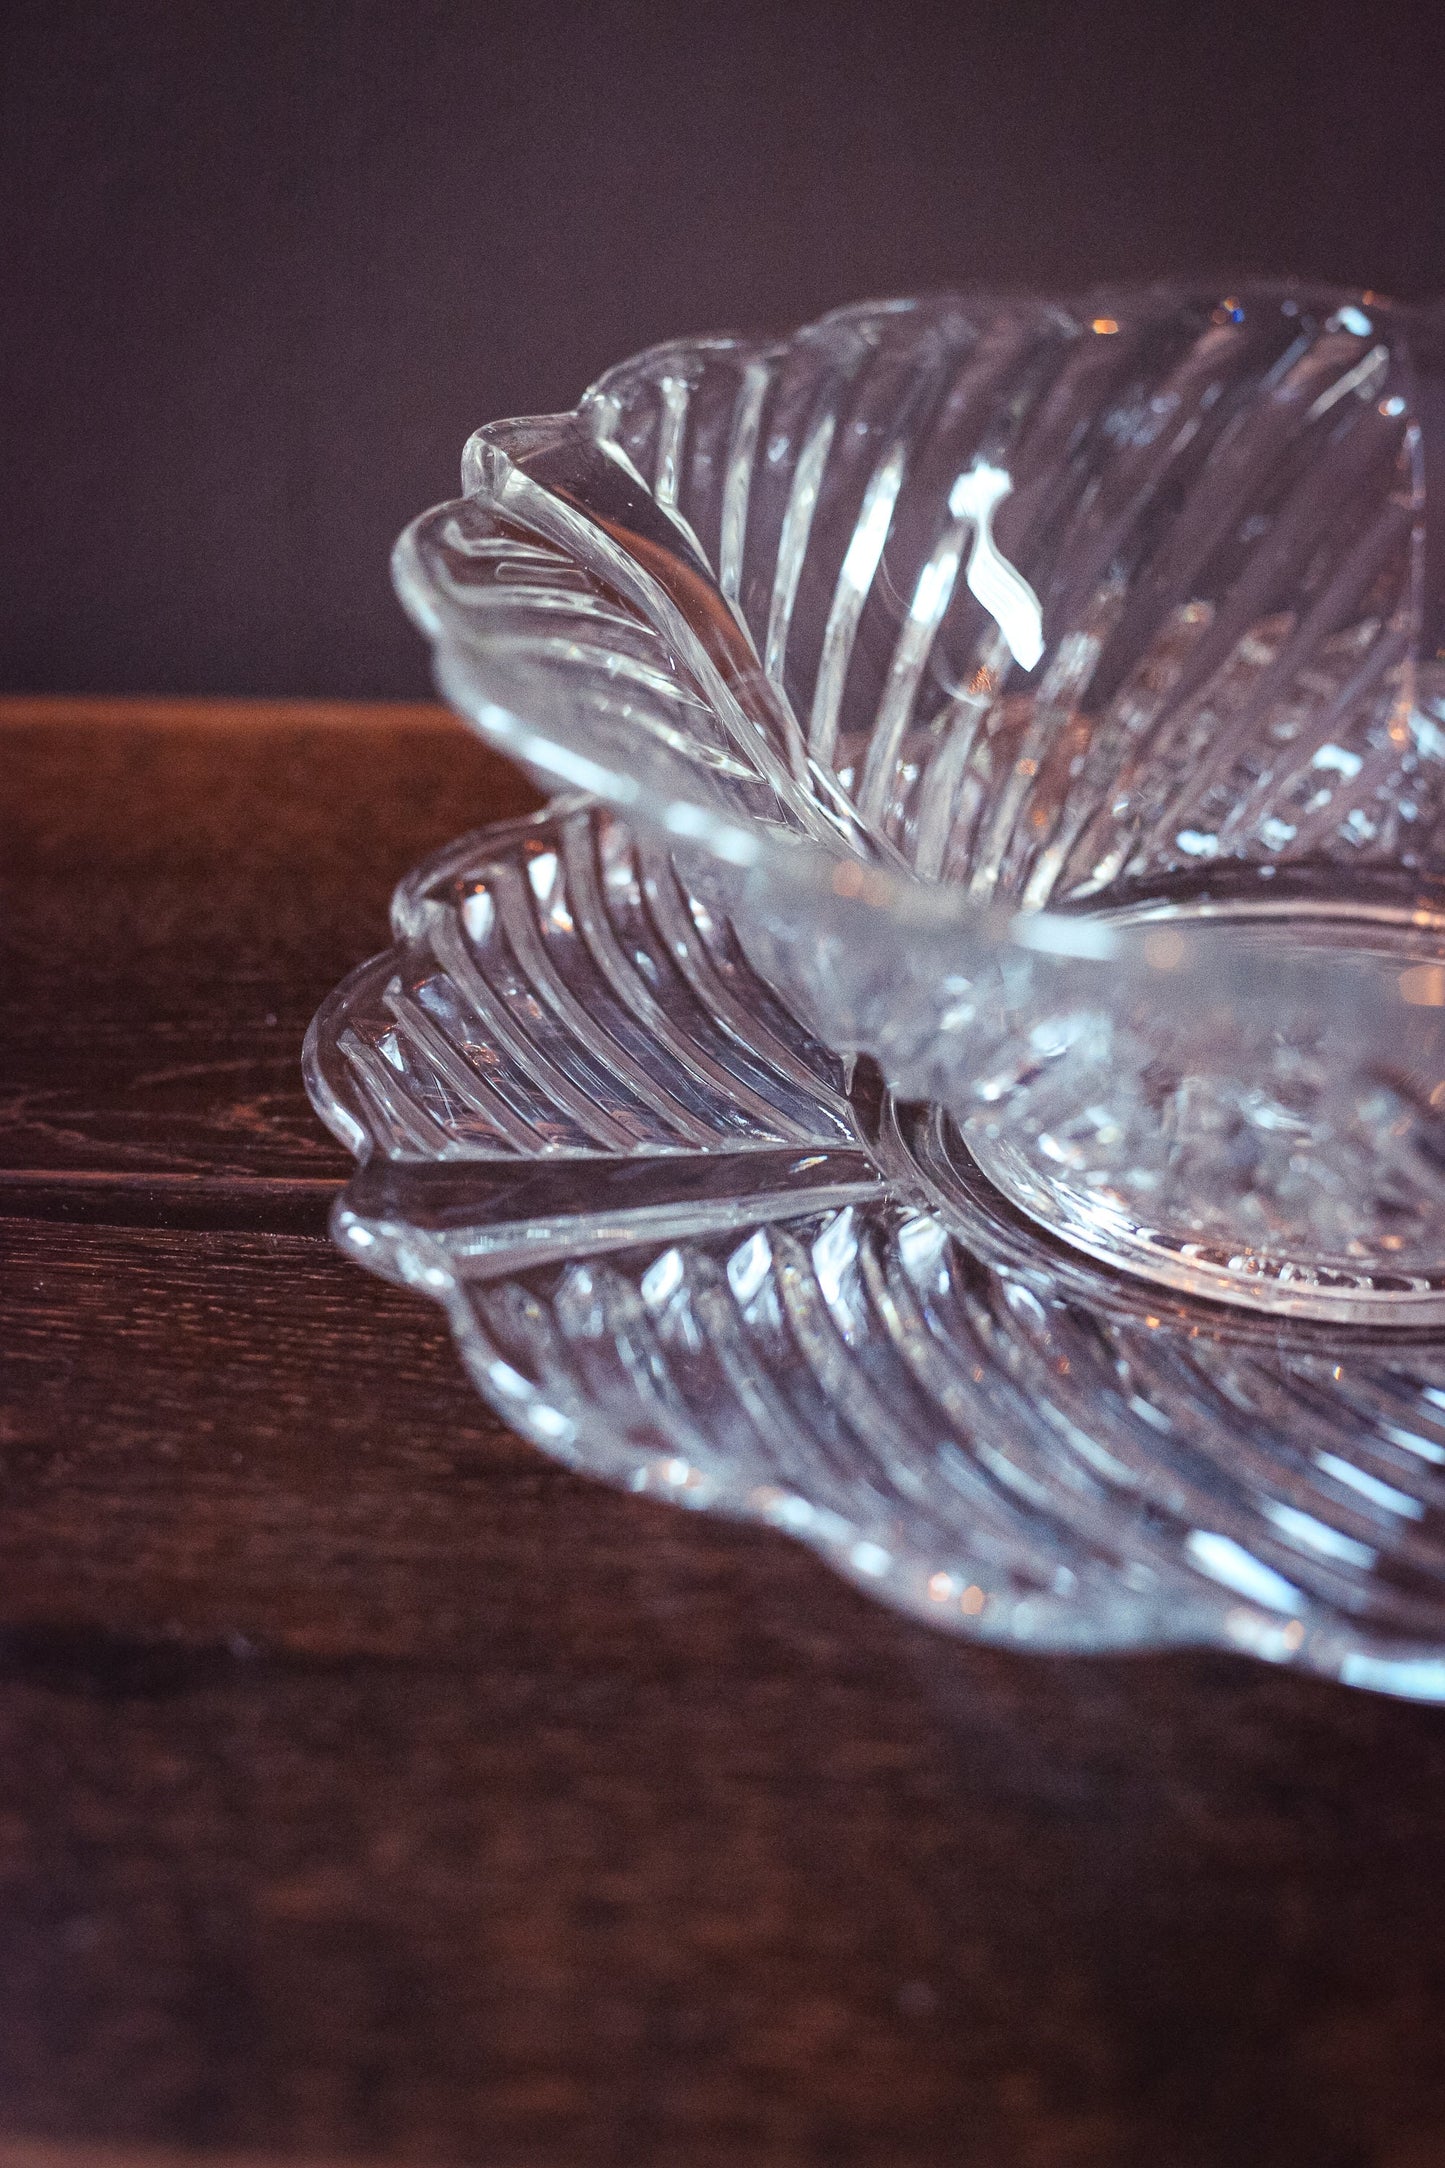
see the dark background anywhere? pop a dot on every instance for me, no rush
(266, 265)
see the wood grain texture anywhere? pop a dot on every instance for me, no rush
(177, 899)
(372, 1789)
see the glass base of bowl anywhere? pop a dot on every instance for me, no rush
(1254, 1167)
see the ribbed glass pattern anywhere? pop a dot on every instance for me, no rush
(1055, 692)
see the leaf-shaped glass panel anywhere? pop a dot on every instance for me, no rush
(682, 1246)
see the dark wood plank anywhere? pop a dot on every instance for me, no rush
(63, 2153)
(368, 1783)
(372, 1788)
(175, 899)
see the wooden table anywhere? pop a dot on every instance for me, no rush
(371, 1789)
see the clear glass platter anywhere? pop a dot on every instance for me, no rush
(685, 1247)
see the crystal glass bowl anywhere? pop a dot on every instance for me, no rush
(1049, 694)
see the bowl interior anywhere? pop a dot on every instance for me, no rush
(1211, 502)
